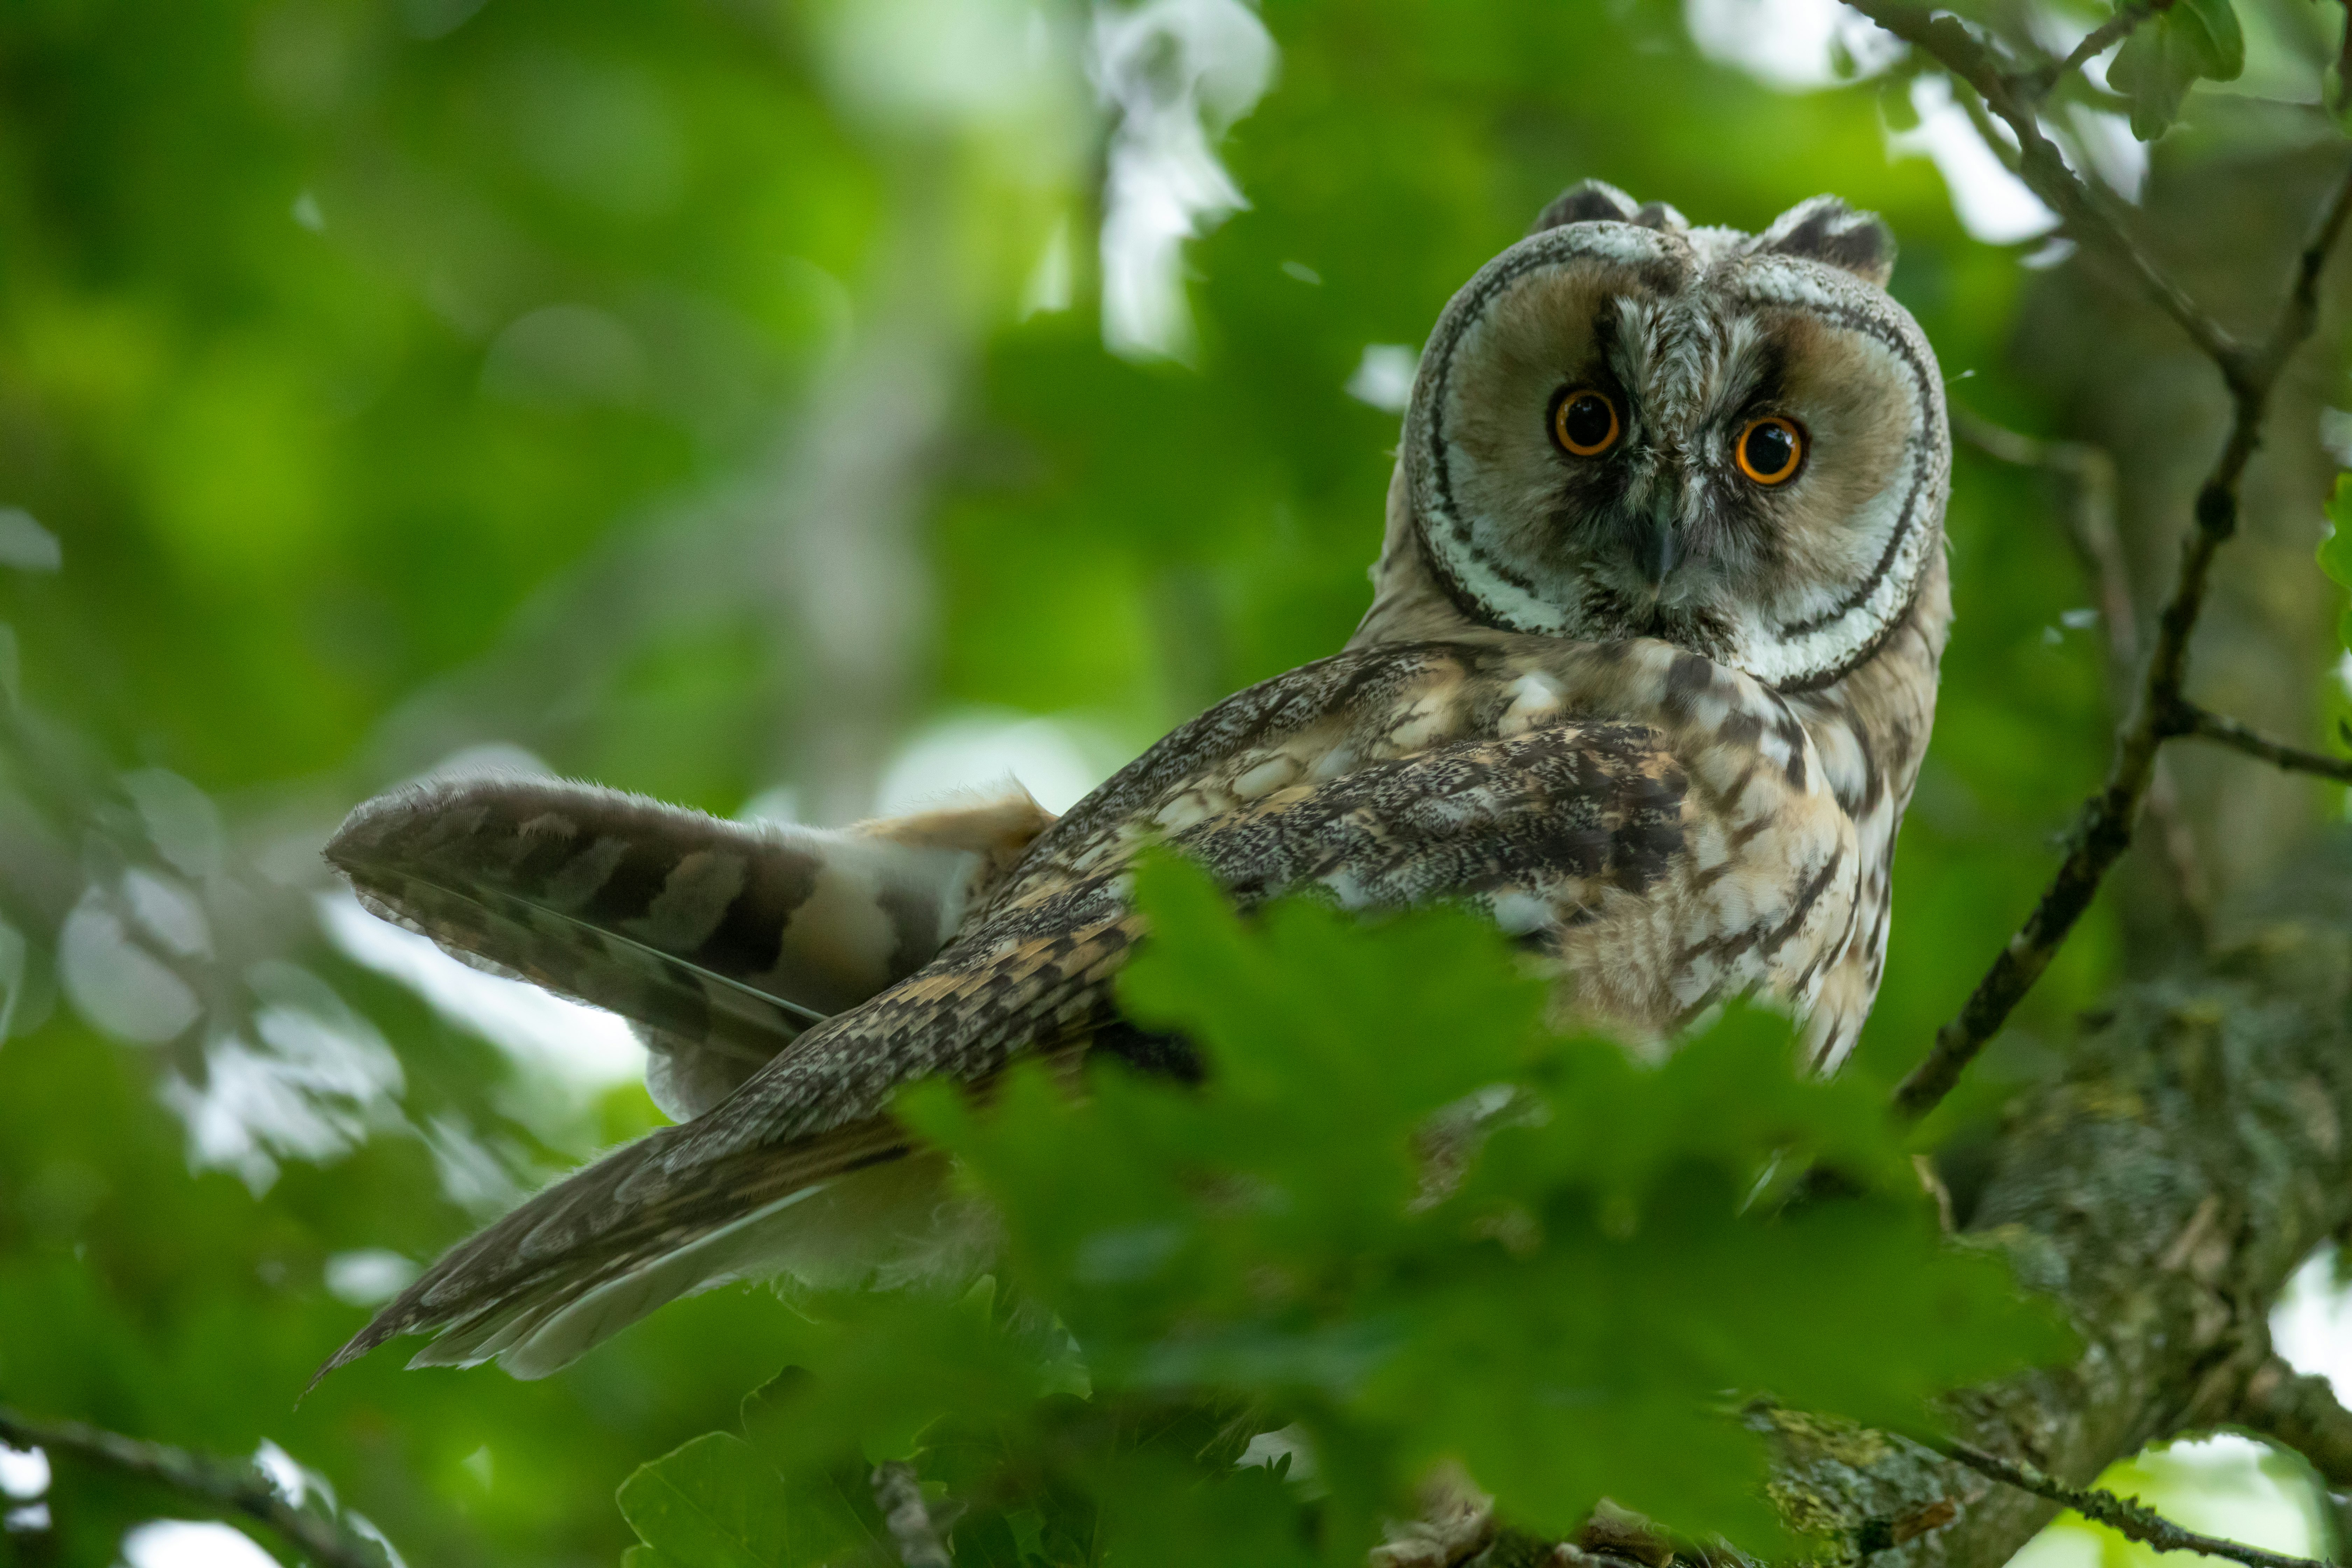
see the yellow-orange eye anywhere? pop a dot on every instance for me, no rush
(1769, 450)
(1584, 423)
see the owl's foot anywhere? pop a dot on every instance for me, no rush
(1457, 1523)
(1458, 1530)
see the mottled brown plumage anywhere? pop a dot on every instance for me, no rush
(1658, 720)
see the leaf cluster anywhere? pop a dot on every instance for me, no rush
(1401, 1224)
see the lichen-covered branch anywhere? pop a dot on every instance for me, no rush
(2127, 1516)
(2300, 1413)
(229, 1487)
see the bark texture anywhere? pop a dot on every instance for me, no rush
(2163, 1187)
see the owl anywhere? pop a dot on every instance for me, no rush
(1647, 673)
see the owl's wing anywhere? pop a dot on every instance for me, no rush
(721, 940)
(1554, 815)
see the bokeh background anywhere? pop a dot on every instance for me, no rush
(807, 409)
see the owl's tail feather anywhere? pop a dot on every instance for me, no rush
(721, 940)
(603, 1247)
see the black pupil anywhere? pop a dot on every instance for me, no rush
(1586, 423)
(1770, 448)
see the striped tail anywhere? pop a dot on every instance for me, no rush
(721, 940)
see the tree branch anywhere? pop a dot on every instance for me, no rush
(899, 1496)
(2105, 826)
(230, 1487)
(2043, 168)
(2162, 1189)
(2191, 719)
(2300, 1413)
(1987, 131)
(2128, 1517)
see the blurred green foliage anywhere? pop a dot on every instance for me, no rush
(1390, 1257)
(396, 376)
(2335, 549)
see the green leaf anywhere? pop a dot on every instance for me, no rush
(788, 1424)
(1615, 1355)
(1729, 1095)
(1158, 1514)
(2154, 79)
(2163, 57)
(884, 1369)
(713, 1503)
(2208, 34)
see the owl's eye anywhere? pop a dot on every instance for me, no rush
(1584, 423)
(1769, 450)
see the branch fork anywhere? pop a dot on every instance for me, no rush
(229, 1487)
(2160, 710)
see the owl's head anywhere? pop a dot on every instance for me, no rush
(1625, 427)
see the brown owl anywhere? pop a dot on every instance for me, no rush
(1650, 664)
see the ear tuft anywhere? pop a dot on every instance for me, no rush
(1589, 201)
(1661, 217)
(1826, 230)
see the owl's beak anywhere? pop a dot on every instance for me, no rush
(1656, 547)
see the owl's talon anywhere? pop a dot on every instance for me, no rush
(1457, 1523)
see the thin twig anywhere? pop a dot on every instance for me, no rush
(2084, 211)
(2300, 1413)
(2101, 38)
(2126, 1517)
(2206, 725)
(899, 1496)
(232, 1486)
(1987, 130)
(2087, 476)
(2104, 827)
